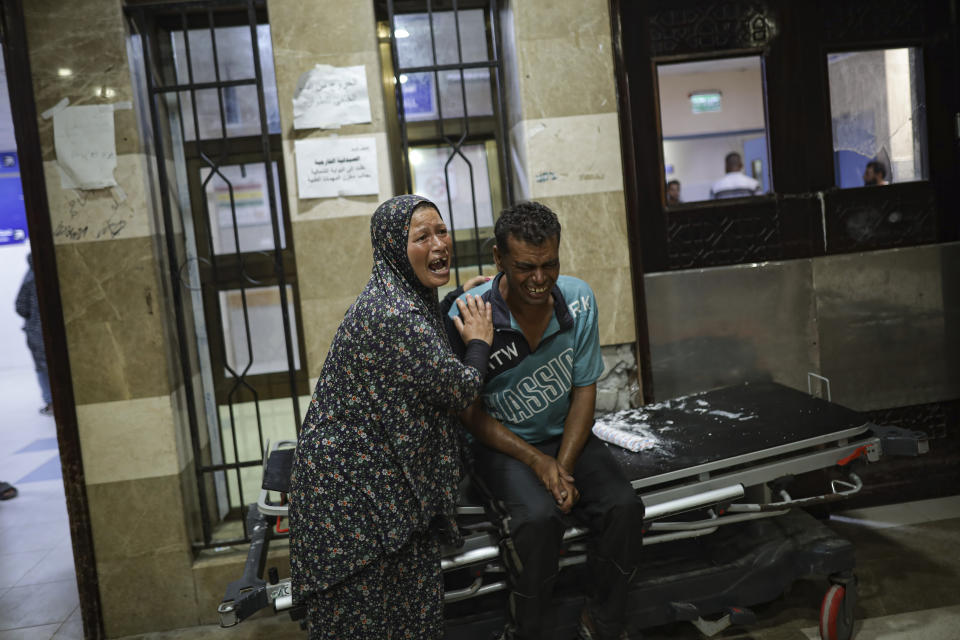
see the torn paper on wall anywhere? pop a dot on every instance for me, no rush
(328, 97)
(331, 167)
(86, 150)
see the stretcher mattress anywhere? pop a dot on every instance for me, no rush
(743, 424)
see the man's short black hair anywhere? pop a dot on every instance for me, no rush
(673, 182)
(878, 167)
(733, 162)
(531, 222)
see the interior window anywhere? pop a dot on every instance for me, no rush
(714, 130)
(878, 117)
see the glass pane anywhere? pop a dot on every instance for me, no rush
(420, 95)
(433, 176)
(235, 62)
(414, 49)
(714, 129)
(877, 113)
(250, 205)
(267, 345)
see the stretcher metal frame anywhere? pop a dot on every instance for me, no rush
(685, 503)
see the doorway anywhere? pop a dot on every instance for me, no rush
(49, 583)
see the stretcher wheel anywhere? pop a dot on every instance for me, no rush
(836, 619)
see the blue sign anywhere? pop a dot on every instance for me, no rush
(13, 215)
(418, 96)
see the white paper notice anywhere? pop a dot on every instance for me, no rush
(328, 97)
(86, 150)
(331, 167)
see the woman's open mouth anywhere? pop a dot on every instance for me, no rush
(439, 266)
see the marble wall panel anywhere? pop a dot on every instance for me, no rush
(568, 156)
(114, 326)
(149, 593)
(563, 61)
(101, 214)
(322, 26)
(137, 518)
(557, 79)
(612, 288)
(130, 440)
(190, 492)
(594, 232)
(334, 257)
(576, 20)
(593, 247)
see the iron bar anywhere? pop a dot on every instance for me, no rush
(228, 466)
(461, 66)
(274, 217)
(147, 38)
(200, 86)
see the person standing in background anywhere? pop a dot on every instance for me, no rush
(28, 308)
(735, 183)
(875, 174)
(673, 193)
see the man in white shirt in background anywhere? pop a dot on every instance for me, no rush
(735, 184)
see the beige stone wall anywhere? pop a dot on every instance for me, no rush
(136, 454)
(565, 137)
(331, 235)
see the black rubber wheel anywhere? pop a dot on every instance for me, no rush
(835, 624)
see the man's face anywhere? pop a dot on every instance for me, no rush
(870, 177)
(673, 193)
(530, 270)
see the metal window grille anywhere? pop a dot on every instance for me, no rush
(191, 112)
(456, 125)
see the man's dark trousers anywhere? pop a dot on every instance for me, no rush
(532, 528)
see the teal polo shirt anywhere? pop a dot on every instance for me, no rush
(529, 391)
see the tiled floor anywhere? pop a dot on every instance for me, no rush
(38, 588)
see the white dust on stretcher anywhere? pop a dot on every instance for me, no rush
(632, 428)
(698, 406)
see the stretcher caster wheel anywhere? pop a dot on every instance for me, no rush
(836, 613)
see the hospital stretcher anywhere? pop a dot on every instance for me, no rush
(715, 472)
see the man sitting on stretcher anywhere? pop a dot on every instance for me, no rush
(535, 457)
